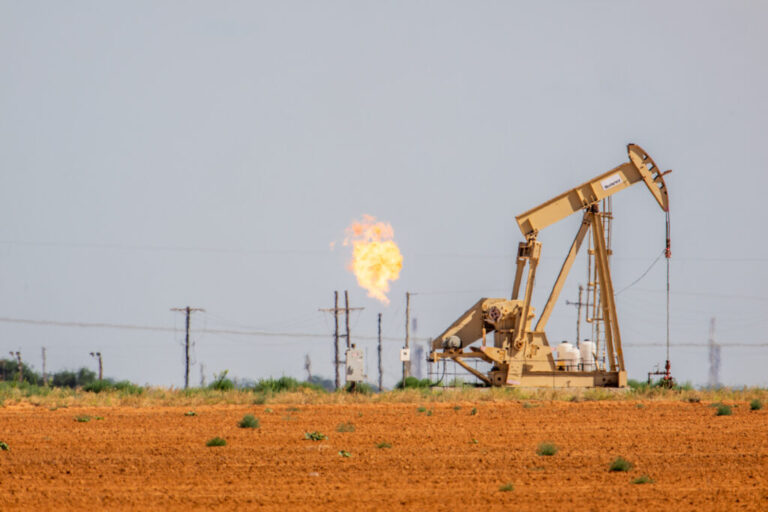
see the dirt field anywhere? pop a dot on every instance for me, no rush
(443, 458)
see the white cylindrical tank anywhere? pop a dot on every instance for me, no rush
(588, 352)
(575, 359)
(568, 355)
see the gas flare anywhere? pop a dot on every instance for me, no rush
(376, 259)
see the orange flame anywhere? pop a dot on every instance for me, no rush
(376, 259)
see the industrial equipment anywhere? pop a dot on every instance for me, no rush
(520, 354)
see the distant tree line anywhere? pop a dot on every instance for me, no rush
(9, 372)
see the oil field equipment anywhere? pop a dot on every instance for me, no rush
(520, 354)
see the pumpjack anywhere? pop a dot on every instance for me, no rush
(520, 354)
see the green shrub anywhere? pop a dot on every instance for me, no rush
(284, 384)
(83, 418)
(508, 487)
(4, 446)
(644, 479)
(315, 436)
(221, 382)
(473, 411)
(755, 405)
(620, 464)
(421, 409)
(413, 382)
(546, 449)
(344, 453)
(723, 410)
(345, 427)
(216, 441)
(190, 413)
(383, 444)
(249, 421)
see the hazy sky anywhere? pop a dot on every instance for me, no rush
(168, 153)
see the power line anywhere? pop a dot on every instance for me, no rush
(277, 334)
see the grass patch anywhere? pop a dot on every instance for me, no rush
(473, 412)
(249, 421)
(383, 445)
(644, 479)
(344, 453)
(216, 441)
(421, 409)
(345, 427)
(546, 449)
(84, 418)
(315, 436)
(456, 407)
(508, 487)
(473, 441)
(723, 410)
(755, 405)
(190, 413)
(429, 412)
(620, 464)
(640, 406)
(4, 446)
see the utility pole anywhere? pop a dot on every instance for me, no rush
(714, 357)
(97, 355)
(308, 367)
(407, 364)
(346, 316)
(188, 310)
(17, 355)
(379, 348)
(45, 375)
(336, 310)
(578, 305)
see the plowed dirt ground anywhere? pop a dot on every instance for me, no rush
(444, 458)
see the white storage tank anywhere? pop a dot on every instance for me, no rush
(588, 353)
(568, 355)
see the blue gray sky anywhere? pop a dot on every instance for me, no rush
(163, 154)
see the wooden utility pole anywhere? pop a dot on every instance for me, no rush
(45, 375)
(407, 364)
(17, 355)
(379, 348)
(97, 355)
(336, 310)
(578, 305)
(188, 310)
(308, 367)
(346, 316)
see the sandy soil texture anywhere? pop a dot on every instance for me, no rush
(444, 456)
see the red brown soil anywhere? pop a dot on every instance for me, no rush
(152, 458)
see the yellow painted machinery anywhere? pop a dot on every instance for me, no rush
(520, 354)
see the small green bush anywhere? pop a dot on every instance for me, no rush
(83, 418)
(4, 446)
(315, 436)
(345, 427)
(620, 464)
(644, 479)
(249, 421)
(284, 384)
(221, 382)
(755, 405)
(383, 444)
(216, 441)
(508, 487)
(190, 413)
(546, 449)
(473, 411)
(344, 453)
(723, 410)
(421, 409)
(413, 382)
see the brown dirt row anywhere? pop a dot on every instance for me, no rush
(445, 458)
